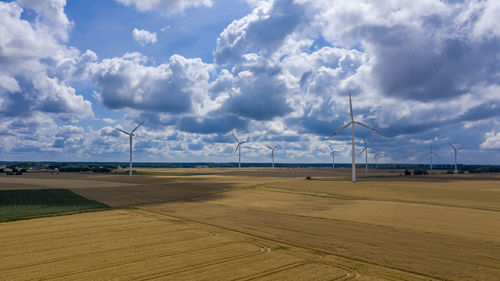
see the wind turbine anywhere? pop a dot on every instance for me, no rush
(352, 123)
(376, 159)
(238, 148)
(272, 151)
(333, 155)
(455, 149)
(431, 153)
(365, 150)
(131, 134)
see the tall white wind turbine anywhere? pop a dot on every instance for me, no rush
(238, 148)
(352, 123)
(431, 154)
(131, 134)
(365, 150)
(332, 153)
(272, 151)
(455, 149)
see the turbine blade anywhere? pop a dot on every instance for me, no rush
(362, 151)
(268, 146)
(235, 138)
(137, 127)
(341, 129)
(454, 148)
(366, 126)
(122, 131)
(277, 146)
(364, 141)
(350, 106)
(236, 149)
(460, 148)
(331, 148)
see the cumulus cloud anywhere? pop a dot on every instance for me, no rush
(127, 82)
(492, 140)
(165, 7)
(264, 30)
(34, 64)
(144, 37)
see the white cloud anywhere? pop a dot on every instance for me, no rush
(165, 7)
(144, 37)
(492, 140)
(34, 65)
(127, 82)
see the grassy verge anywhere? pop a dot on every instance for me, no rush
(27, 204)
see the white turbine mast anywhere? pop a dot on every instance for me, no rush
(272, 151)
(431, 154)
(455, 149)
(238, 148)
(365, 150)
(352, 123)
(376, 159)
(131, 134)
(332, 153)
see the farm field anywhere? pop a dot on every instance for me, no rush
(218, 224)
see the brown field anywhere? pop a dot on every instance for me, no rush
(261, 225)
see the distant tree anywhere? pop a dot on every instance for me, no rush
(420, 172)
(407, 173)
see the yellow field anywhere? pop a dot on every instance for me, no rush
(261, 225)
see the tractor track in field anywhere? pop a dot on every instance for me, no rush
(145, 245)
(310, 249)
(128, 262)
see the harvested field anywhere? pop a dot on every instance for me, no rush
(216, 224)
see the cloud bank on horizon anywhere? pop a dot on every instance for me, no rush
(420, 71)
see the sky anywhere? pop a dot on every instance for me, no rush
(271, 72)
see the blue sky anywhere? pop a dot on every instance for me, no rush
(273, 72)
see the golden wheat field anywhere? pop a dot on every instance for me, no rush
(259, 224)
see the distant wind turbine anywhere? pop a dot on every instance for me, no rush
(272, 151)
(365, 150)
(238, 148)
(431, 154)
(333, 155)
(455, 149)
(376, 159)
(352, 123)
(131, 134)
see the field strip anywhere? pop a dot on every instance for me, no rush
(184, 261)
(61, 183)
(49, 230)
(350, 197)
(300, 270)
(218, 267)
(124, 249)
(94, 243)
(344, 258)
(31, 226)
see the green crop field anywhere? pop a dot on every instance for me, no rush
(25, 204)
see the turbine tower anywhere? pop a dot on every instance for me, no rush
(365, 150)
(376, 159)
(431, 154)
(130, 135)
(455, 149)
(333, 155)
(352, 123)
(272, 151)
(238, 148)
